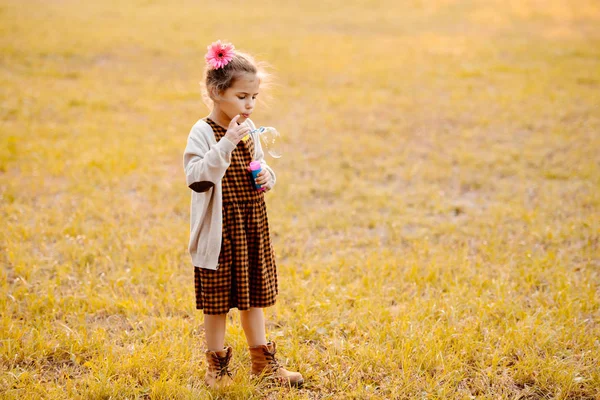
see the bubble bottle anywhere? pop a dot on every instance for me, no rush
(255, 168)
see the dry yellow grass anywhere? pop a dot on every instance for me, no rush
(436, 220)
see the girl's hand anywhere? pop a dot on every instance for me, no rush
(264, 179)
(236, 132)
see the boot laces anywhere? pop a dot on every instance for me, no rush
(223, 363)
(272, 361)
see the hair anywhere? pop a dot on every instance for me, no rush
(223, 78)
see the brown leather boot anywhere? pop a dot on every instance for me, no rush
(265, 364)
(217, 374)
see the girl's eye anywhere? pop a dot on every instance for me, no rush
(241, 98)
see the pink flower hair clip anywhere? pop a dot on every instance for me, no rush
(219, 54)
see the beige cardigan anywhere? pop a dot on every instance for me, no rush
(205, 162)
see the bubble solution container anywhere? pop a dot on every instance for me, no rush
(255, 169)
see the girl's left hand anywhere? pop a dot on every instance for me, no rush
(263, 178)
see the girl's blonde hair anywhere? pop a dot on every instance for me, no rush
(219, 80)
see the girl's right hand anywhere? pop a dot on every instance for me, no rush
(236, 132)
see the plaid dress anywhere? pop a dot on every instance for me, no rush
(246, 275)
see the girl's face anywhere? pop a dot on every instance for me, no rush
(240, 98)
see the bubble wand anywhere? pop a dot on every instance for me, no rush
(269, 137)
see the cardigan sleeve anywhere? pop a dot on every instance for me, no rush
(204, 162)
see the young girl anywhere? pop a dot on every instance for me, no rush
(234, 264)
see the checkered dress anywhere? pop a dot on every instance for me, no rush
(246, 275)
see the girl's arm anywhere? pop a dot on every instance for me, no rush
(260, 156)
(266, 167)
(204, 165)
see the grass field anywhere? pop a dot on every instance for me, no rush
(436, 220)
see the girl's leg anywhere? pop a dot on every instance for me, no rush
(253, 323)
(214, 331)
(217, 356)
(262, 354)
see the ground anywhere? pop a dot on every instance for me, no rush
(436, 219)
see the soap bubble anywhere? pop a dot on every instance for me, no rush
(269, 137)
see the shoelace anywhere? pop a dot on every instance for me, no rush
(273, 363)
(223, 362)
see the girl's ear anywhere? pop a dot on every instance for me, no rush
(213, 93)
